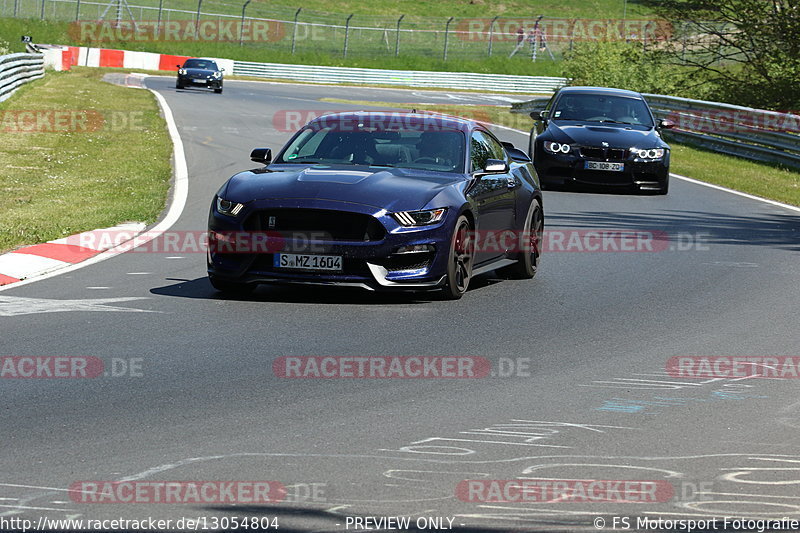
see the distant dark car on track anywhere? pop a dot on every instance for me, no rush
(200, 72)
(381, 201)
(600, 136)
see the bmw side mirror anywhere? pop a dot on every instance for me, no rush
(666, 124)
(178, 66)
(222, 70)
(261, 155)
(540, 115)
(495, 166)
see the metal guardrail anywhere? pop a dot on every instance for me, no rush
(18, 69)
(411, 78)
(755, 134)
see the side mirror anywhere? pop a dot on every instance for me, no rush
(495, 166)
(178, 66)
(666, 124)
(261, 155)
(540, 115)
(222, 70)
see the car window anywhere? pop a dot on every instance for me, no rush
(439, 150)
(200, 63)
(482, 148)
(602, 108)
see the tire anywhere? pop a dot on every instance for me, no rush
(460, 260)
(179, 86)
(231, 287)
(218, 91)
(528, 259)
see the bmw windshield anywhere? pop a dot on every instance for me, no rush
(602, 108)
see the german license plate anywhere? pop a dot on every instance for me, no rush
(308, 262)
(604, 165)
(199, 81)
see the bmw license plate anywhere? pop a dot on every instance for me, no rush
(199, 81)
(308, 262)
(604, 165)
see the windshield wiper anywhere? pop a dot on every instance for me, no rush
(300, 161)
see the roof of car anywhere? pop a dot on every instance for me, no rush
(600, 90)
(395, 119)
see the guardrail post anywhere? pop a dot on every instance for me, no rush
(447, 35)
(397, 37)
(347, 33)
(491, 33)
(41, 15)
(158, 21)
(197, 19)
(294, 30)
(16, 6)
(241, 24)
(77, 10)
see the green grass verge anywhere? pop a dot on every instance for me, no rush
(327, 51)
(111, 165)
(767, 181)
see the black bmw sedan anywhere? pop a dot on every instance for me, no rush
(600, 136)
(199, 72)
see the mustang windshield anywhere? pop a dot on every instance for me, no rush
(441, 150)
(602, 108)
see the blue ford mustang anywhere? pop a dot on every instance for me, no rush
(381, 201)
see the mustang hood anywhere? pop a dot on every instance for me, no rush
(391, 189)
(617, 135)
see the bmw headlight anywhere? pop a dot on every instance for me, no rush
(557, 148)
(420, 218)
(648, 153)
(217, 74)
(182, 71)
(226, 207)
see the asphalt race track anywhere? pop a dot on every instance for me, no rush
(587, 344)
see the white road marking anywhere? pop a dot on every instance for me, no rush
(16, 306)
(22, 266)
(737, 193)
(139, 273)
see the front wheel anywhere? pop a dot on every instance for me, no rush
(218, 91)
(531, 246)
(460, 260)
(231, 287)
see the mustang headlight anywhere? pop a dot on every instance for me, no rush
(420, 218)
(648, 153)
(182, 71)
(226, 207)
(557, 148)
(217, 74)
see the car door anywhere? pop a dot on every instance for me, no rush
(493, 195)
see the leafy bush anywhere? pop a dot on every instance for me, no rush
(624, 65)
